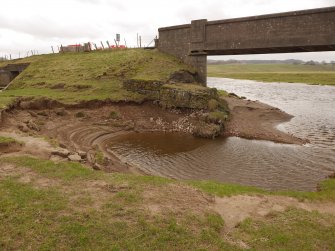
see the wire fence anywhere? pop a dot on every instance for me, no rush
(117, 43)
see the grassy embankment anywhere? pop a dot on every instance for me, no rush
(64, 206)
(75, 77)
(309, 74)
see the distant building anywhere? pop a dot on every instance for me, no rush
(76, 48)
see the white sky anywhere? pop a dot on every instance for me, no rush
(38, 24)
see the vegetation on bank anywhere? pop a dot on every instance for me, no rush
(68, 206)
(75, 77)
(6, 140)
(309, 74)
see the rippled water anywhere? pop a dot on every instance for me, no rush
(249, 162)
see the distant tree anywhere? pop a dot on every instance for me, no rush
(311, 62)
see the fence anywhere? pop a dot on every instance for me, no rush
(85, 47)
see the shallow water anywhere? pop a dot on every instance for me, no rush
(249, 162)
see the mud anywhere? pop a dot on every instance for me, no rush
(256, 120)
(82, 130)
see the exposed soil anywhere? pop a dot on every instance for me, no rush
(69, 132)
(76, 133)
(235, 209)
(256, 120)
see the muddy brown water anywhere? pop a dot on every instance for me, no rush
(249, 162)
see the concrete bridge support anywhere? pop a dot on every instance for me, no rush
(9, 72)
(298, 31)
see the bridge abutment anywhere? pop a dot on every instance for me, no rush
(187, 42)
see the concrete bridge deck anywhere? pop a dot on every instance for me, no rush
(297, 31)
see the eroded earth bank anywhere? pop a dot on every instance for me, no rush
(79, 133)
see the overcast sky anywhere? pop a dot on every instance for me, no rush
(39, 24)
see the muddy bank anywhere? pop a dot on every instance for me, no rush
(80, 133)
(256, 120)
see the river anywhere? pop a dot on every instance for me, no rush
(249, 162)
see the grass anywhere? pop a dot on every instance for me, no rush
(309, 74)
(6, 140)
(55, 218)
(291, 230)
(64, 215)
(75, 77)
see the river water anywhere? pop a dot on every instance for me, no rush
(249, 162)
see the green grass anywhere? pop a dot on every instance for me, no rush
(75, 77)
(326, 190)
(309, 74)
(291, 230)
(64, 215)
(6, 140)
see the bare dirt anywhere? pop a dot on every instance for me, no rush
(256, 120)
(180, 199)
(51, 131)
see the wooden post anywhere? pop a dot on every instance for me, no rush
(103, 47)
(108, 44)
(52, 48)
(125, 43)
(115, 43)
(140, 41)
(96, 47)
(137, 40)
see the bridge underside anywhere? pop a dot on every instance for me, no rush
(270, 50)
(299, 31)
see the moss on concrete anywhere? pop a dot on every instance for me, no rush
(186, 96)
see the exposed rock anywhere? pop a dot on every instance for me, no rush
(149, 88)
(31, 125)
(23, 128)
(82, 154)
(205, 130)
(62, 145)
(186, 96)
(74, 157)
(97, 166)
(183, 77)
(64, 153)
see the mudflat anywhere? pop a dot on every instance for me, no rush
(256, 120)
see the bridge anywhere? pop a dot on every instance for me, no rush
(298, 31)
(9, 72)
